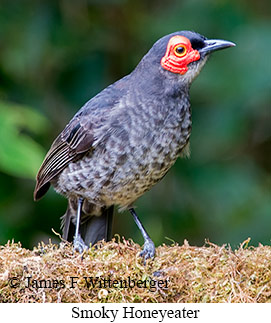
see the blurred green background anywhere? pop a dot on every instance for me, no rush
(55, 55)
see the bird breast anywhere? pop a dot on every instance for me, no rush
(135, 150)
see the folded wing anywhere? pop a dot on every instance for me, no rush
(76, 139)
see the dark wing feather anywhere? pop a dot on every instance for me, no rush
(74, 140)
(79, 135)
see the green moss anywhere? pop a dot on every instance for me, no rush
(187, 274)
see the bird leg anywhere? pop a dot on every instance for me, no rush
(149, 247)
(78, 242)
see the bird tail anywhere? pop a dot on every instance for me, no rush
(92, 228)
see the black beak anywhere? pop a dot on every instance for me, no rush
(211, 45)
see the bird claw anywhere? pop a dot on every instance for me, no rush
(79, 245)
(148, 250)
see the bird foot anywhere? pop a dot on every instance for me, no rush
(148, 250)
(79, 244)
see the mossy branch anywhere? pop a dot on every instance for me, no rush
(114, 272)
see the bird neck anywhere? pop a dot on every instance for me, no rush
(159, 84)
(166, 100)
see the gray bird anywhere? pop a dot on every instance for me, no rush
(125, 139)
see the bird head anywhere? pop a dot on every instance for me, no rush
(182, 54)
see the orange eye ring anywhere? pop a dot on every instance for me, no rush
(180, 50)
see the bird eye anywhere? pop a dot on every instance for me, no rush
(180, 50)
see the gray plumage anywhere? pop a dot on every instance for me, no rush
(121, 142)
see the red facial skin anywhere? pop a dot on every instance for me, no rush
(177, 63)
